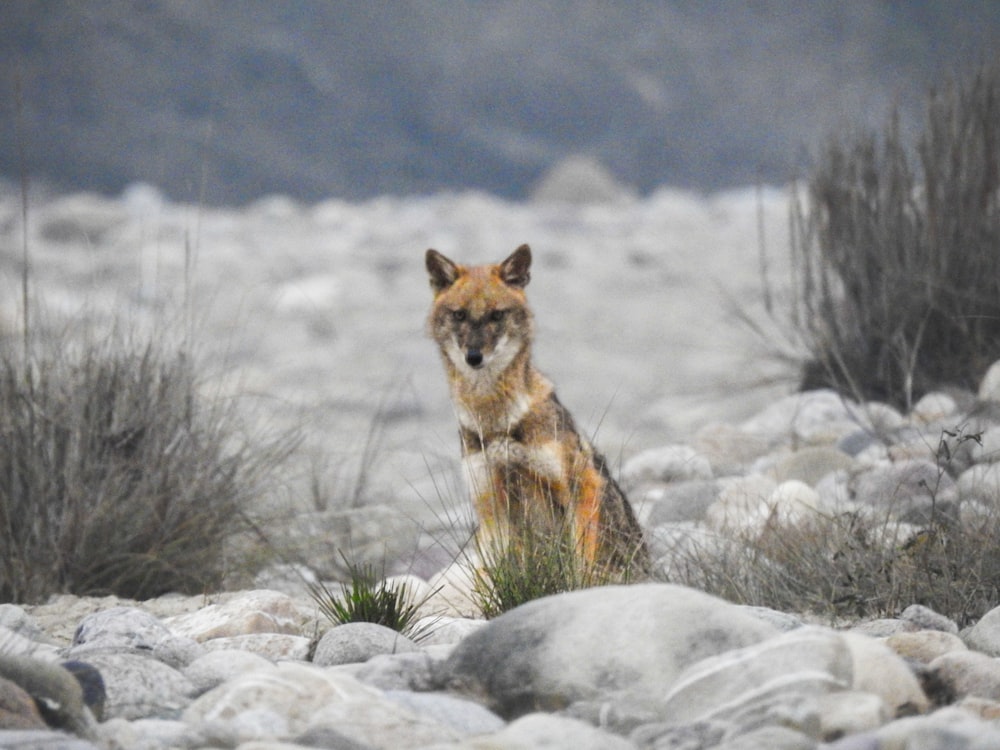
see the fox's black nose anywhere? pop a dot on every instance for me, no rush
(474, 358)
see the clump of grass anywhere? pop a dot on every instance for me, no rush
(116, 475)
(853, 565)
(370, 597)
(856, 564)
(537, 562)
(898, 253)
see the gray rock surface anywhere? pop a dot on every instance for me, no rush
(357, 642)
(617, 643)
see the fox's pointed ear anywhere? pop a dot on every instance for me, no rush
(515, 270)
(442, 271)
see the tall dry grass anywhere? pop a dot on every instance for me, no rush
(117, 475)
(897, 251)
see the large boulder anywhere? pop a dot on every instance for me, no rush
(625, 643)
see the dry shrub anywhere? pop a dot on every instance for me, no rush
(898, 253)
(852, 565)
(116, 475)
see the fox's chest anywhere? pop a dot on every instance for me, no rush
(492, 413)
(508, 463)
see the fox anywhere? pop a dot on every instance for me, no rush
(527, 466)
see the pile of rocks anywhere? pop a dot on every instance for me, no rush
(649, 665)
(642, 666)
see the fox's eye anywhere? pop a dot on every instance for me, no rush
(497, 315)
(458, 315)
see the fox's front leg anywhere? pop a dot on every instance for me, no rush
(587, 514)
(491, 501)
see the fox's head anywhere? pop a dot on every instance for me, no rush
(480, 317)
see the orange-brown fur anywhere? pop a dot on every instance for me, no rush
(524, 458)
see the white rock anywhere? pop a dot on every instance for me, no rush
(969, 673)
(811, 464)
(14, 643)
(932, 407)
(948, 728)
(729, 449)
(216, 667)
(537, 731)
(676, 502)
(433, 631)
(412, 671)
(676, 549)
(927, 618)
(13, 619)
(804, 417)
(671, 463)
(904, 488)
(259, 611)
(850, 712)
(834, 492)
(877, 417)
(802, 662)
(118, 628)
(981, 482)
(615, 643)
(462, 715)
(148, 734)
(270, 646)
(988, 450)
(741, 504)
(141, 687)
(878, 670)
(292, 699)
(924, 646)
(383, 723)
(792, 501)
(985, 634)
(358, 642)
(292, 690)
(989, 386)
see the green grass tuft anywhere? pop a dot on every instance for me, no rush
(369, 597)
(536, 563)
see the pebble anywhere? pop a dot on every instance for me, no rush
(358, 642)
(924, 645)
(969, 673)
(984, 636)
(678, 501)
(811, 464)
(928, 619)
(668, 464)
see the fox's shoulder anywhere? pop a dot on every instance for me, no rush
(548, 418)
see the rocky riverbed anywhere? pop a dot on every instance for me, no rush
(311, 318)
(647, 665)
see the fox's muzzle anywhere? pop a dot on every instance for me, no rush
(474, 358)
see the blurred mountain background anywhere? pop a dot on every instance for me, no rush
(223, 101)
